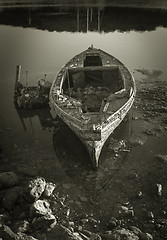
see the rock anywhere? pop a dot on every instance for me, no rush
(21, 226)
(4, 218)
(135, 230)
(137, 140)
(35, 189)
(67, 185)
(84, 220)
(112, 223)
(8, 179)
(62, 233)
(44, 223)
(162, 157)
(145, 236)
(10, 198)
(124, 211)
(159, 189)
(133, 175)
(6, 233)
(23, 236)
(140, 195)
(40, 207)
(49, 188)
(83, 199)
(150, 216)
(28, 171)
(95, 236)
(121, 234)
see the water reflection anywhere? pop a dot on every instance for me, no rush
(84, 18)
(43, 115)
(71, 152)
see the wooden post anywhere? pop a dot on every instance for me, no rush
(29, 16)
(77, 19)
(18, 73)
(45, 76)
(98, 20)
(91, 14)
(18, 85)
(87, 25)
(26, 79)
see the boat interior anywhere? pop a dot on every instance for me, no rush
(93, 84)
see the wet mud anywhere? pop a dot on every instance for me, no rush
(128, 189)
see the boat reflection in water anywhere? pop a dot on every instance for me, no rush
(70, 151)
(42, 114)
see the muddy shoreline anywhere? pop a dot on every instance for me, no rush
(125, 197)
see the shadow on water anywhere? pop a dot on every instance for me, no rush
(43, 115)
(83, 19)
(71, 152)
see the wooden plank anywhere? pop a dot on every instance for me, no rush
(94, 68)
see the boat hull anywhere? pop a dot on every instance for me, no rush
(92, 135)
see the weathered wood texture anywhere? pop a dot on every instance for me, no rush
(93, 129)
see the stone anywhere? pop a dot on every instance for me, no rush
(21, 226)
(62, 233)
(137, 140)
(95, 236)
(49, 188)
(83, 199)
(40, 207)
(162, 157)
(8, 179)
(35, 189)
(67, 185)
(150, 215)
(124, 211)
(6, 233)
(145, 236)
(135, 230)
(124, 234)
(112, 223)
(23, 236)
(4, 218)
(121, 234)
(140, 195)
(10, 198)
(30, 172)
(159, 189)
(44, 223)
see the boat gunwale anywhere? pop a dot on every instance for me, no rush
(63, 71)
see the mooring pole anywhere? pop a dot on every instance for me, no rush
(45, 76)
(18, 73)
(26, 79)
(87, 22)
(17, 85)
(77, 19)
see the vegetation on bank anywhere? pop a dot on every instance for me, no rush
(161, 4)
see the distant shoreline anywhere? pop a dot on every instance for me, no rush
(68, 3)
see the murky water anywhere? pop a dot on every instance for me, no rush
(30, 137)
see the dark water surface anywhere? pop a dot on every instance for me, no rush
(31, 139)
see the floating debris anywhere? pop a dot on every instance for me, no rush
(33, 96)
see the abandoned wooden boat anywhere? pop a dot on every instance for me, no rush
(92, 94)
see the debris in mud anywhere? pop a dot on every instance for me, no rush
(137, 140)
(33, 96)
(48, 216)
(162, 157)
(154, 74)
